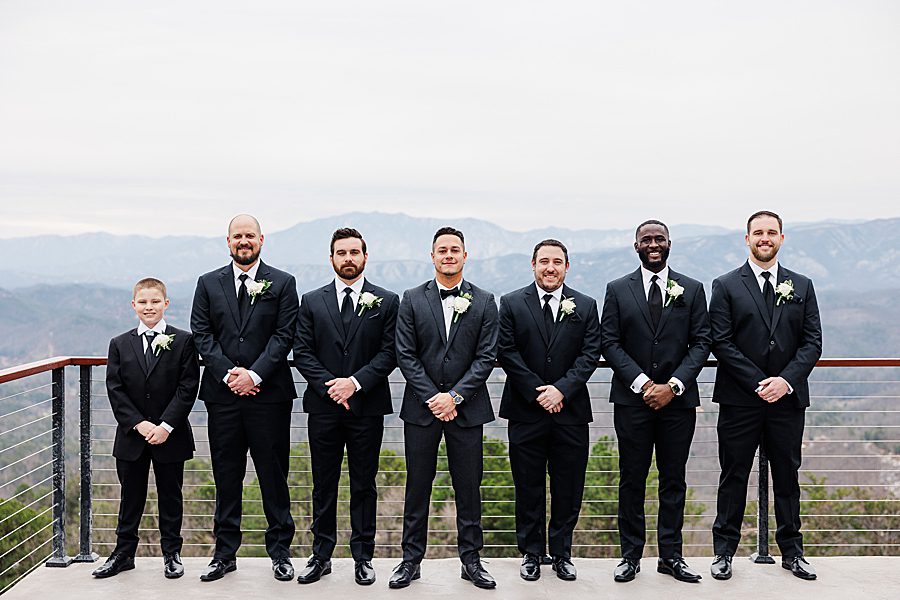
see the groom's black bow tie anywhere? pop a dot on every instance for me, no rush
(446, 293)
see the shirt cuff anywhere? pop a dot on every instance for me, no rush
(256, 378)
(679, 384)
(356, 383)
(790, 387)
(638, 383)
(166, 426)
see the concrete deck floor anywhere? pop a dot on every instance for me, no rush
(840, 578)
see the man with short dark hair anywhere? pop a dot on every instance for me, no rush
(767, 337)
(446, 348)
(655, 336)
(549, 345)
(243, 320)
(345, 350)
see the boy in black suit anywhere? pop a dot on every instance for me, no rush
(152, 377)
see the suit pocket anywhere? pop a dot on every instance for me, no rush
(374, 315)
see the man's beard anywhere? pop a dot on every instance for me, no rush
(350, 271)
(758, 255)
(245, 260)
(645, 260)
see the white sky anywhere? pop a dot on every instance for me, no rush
(115, 114)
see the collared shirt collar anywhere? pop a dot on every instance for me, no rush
(647, 275)
(758, 271)
(541, 292)
(158, 328)
(356, 287)
(238, 272)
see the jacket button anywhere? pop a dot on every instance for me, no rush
(346, 352)
(148, 396)
(771, 342)
(655, 365)
(241, 339)
(446, 359)
(549, 360)
(655, 342)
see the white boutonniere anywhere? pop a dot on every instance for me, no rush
(162, 342)
(566, 307)
(784, 291)
(367, 300)
(257, 288)
(461, 304)
(673, 291)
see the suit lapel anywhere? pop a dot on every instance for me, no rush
(433, 296)
(137, 344)
(261, 273)
(357, 320)
(779, 306)
(534, 307)
(457, 319)
(559, 324)
(636, 285)
(157, 356)
(749, 279)
(226, 279)
(329, 298)
(667, 310)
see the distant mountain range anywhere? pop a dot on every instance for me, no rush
(70, 294)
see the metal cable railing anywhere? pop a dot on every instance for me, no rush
(849, 480)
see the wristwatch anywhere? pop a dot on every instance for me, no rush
(457, 399)
(676, 389)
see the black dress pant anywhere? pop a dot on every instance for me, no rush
(741, 428)
(264, 430)
(328, 434)
(536, 449)
(464, 458)
(133, 477)
(639, 429)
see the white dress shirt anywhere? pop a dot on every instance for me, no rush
(157, 329)
(448, 306)
(251, 274)
(646, 276)
(355, 292)
(554, 301)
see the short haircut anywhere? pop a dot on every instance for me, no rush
(149, 283)
(650, 222)
(236, 217)
(764, 213)
(550, 242)
(448, 231)
(345, 233)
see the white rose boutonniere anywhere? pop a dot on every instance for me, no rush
(162, 342)
(461, 304)
(367, 300)
(784, 291)
(673, 291)
(257, 288)
(566, 307)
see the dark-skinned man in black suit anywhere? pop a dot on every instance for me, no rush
(345, 350)
(446, 348)
(152, 376)
(655, 336)
(767, 337)
(244, 321)
(549, 345)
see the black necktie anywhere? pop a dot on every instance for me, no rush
(243, 297)
(447, 293)
(654, 299)
(148, 353)
(347, 310)
(548, 315)
(769, 294)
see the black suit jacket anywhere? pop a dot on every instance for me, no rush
(678, 347)
(260, 343)
(165, 392)
(322, 352)
(566, 360)
(431, 364)
(751, 347)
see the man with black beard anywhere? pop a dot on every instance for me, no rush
(243, 321)
(345, 350)
(655, 336)
(767, 336)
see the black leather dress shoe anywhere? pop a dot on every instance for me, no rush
(721, 567)
(404, 574)
(627, 569)
(531, 567)
(282, 569)
(115, 564)
(478, 575)
(172, 567)
(364, 572)
(677, 568)
(315, 568)
(217, 569)
(564, 568)
(799, 567)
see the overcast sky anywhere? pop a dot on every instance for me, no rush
(168, 117)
